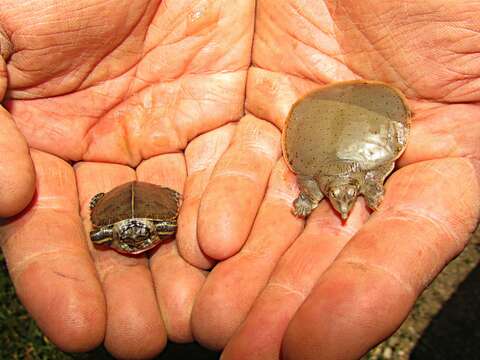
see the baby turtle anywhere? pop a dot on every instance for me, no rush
(134, 217)
(342, 140)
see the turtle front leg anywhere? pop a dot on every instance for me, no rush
(95, 200)
(166, 228)
(102, 236)
(373, 189)
(310, 196)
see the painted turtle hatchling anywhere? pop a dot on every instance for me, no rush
(134, 217)
(342, 140)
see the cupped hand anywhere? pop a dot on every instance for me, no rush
(99, 89)
(17, 176)
(327, 289)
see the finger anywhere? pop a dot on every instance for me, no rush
(17, 176)
(177, 284)
(176, 281)
(429, 212)
(233, 285)
(49, 261)
(134, 325)
(270, 95)
(236, 188)
(201, 155)
(6, 50)
(167, 170)
(295, 274)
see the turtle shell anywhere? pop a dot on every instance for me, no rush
(364, 121)
(136, 200)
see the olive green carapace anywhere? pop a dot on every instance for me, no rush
(342, 140)
(134, 217)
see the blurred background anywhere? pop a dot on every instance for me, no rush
(444, 324)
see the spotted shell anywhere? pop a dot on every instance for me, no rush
(350, 120)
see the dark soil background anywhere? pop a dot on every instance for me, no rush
(444, 324)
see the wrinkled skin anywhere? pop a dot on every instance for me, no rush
(140, 88)
(153, 85)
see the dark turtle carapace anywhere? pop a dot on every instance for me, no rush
(342, 140)
(134, 217)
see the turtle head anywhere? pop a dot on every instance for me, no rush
(342, 195)
(133, 236)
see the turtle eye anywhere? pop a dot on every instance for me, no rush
(335, 193)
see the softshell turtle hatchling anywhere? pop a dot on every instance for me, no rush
(134, 217)
(342, 140)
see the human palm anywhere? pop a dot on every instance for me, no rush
(116, 86)
(121, 86)
(332, 290)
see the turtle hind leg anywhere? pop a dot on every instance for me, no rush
(373, 189)
(96, 199)
(310, 196)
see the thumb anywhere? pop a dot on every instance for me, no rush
(17, 175)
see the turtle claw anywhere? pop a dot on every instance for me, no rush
(95, 200)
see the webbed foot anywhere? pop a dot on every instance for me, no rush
(303, 206)
(373, 189)
(373, 193)
(310, 196)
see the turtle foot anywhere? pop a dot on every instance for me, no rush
(374, 195)
(302, 206)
